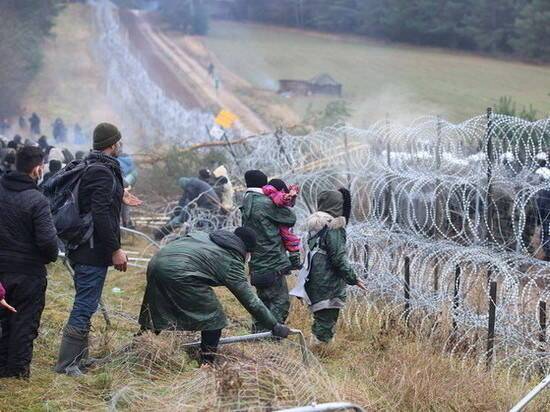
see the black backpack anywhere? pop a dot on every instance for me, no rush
(73, 228)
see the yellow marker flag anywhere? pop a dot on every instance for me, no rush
(226, 119)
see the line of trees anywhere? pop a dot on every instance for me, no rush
(188, 16)
(516, 27)
(23, 26)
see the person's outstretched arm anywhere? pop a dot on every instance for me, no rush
(237, 283)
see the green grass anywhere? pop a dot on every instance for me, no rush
(378, 78)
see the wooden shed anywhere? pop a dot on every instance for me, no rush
(320, 84)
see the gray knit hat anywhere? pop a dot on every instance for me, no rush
(105, 135)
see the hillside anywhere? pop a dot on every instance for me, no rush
(71, 82)
(377, 78)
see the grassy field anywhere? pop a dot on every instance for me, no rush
(378, 366)
(373, 362)
(378, 78)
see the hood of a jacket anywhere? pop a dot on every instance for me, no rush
(18, 182)
(56, 154)
(228, 240)
(318, 220)
(220, 172)
(332, 202)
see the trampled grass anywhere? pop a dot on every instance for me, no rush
(378, 78)
(377, 366)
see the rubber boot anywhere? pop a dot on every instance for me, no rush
(74, 347)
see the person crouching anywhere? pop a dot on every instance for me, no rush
(180, 280)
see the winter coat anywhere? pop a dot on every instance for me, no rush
(198, 192)
(28, 239)
(330, 272)
(260, 214)
(101, 190)
(180, 278)
(128, 168)
(225, 189)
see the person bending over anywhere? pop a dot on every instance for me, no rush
(180, 281)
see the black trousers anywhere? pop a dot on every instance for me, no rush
(209, 344)
(27, 294)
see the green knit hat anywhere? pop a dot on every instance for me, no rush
(105, 135)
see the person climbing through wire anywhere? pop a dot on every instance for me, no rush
(197, 195)
(285, 196)
(323, 281)
(180, 281)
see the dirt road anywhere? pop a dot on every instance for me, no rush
(181, 76)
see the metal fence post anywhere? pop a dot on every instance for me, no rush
(542, 322)
(407, 289)
(491, 325)
(542, 332)
(456, 298)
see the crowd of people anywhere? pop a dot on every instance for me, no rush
(181, 276)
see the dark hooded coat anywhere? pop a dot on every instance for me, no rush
(180, 278)
(330, 271)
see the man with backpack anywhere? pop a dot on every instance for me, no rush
(99, 193)
(28, 242)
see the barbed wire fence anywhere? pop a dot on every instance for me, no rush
(443, 215)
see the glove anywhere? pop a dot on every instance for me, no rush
(280, 331)
(295, 260)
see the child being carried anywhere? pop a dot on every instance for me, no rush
(285, 196)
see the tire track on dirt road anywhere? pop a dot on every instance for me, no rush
(184, 77)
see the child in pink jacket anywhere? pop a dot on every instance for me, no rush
(285, 196)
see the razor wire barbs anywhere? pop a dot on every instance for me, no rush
(447, 196)
(142, 103)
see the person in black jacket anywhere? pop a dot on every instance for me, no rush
(28, 241)
(55, 166)
(101, 192)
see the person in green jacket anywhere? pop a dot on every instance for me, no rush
(270, 262)
(323, 281)
(180, 278)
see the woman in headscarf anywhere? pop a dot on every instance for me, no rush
(327, 273)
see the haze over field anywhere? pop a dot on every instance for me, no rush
(378, 78)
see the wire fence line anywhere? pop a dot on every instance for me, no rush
(445, 196)
(457, 207)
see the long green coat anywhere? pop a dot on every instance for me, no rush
(261, 215)
(330, 271)
(180, 278)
